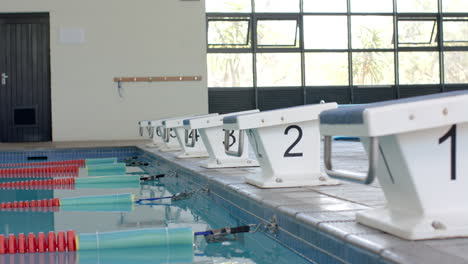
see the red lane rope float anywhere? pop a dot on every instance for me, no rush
(44, 184)
(20, 244)
(40, 172)
(81, 163)
(30, 204)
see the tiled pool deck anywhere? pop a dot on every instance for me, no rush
(321, 219)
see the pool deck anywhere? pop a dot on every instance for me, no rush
(329, 209)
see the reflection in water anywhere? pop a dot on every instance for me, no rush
(20, 222)
(139, 255)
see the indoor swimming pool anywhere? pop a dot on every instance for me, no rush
(198, 211)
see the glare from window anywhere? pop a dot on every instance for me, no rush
(416, 6)
(228, 6)
(373, 6)
(278, 69)
(460, 6)
(419, 67)
(456, 66)
(335, 6)
(326, 68)
(279, 6)
(456, 32)
(325, 32)
(230, 70)
(277, 33)
(372, 32)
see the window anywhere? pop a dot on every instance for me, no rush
(372, 6)
(419, 67)
(329, 6)
(417, 32)
(282, 33)
(372, 32)
(325, 32)
(338, 44)
(230, 70)
(456, 67)
(373, 68)
(456, 32)
(460, 6)
(417, 6)
(228, 32)
(326, 68)
(278, 69)
(228, 6)
(278, 6)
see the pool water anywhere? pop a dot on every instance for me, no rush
(198, 212)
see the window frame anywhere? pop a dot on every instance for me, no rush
(297, 38)
(248, 34)
(465, 20)
(434, 36)
(436, 43)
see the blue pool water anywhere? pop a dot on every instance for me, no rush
(199, 212)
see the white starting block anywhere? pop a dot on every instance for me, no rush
(212, 134)
(286, 143)
(144, 125)
(154, 133)
(194, 149)
(418, 148)
(168, 136)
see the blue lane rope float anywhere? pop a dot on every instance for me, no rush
(106, 169)
(147, 238)
(90, 162)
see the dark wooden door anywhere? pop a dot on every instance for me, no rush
(25, 97)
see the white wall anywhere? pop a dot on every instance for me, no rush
(122, 38)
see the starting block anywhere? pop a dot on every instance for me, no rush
(153, 133)
(169, 137)
(196, 148)
(418, 148)
(156, 133)
(212, 134)
(142, 125)
(286, 143)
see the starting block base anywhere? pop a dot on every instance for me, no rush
(152, 145)
(233, 163)
(415, 227)
(291, 181)
(189, 155)
(169, 149)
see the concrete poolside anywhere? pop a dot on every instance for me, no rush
(332, 209)
(328, 209)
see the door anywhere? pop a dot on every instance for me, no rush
(25, 98)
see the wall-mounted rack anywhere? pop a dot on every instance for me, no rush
(158, 79)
